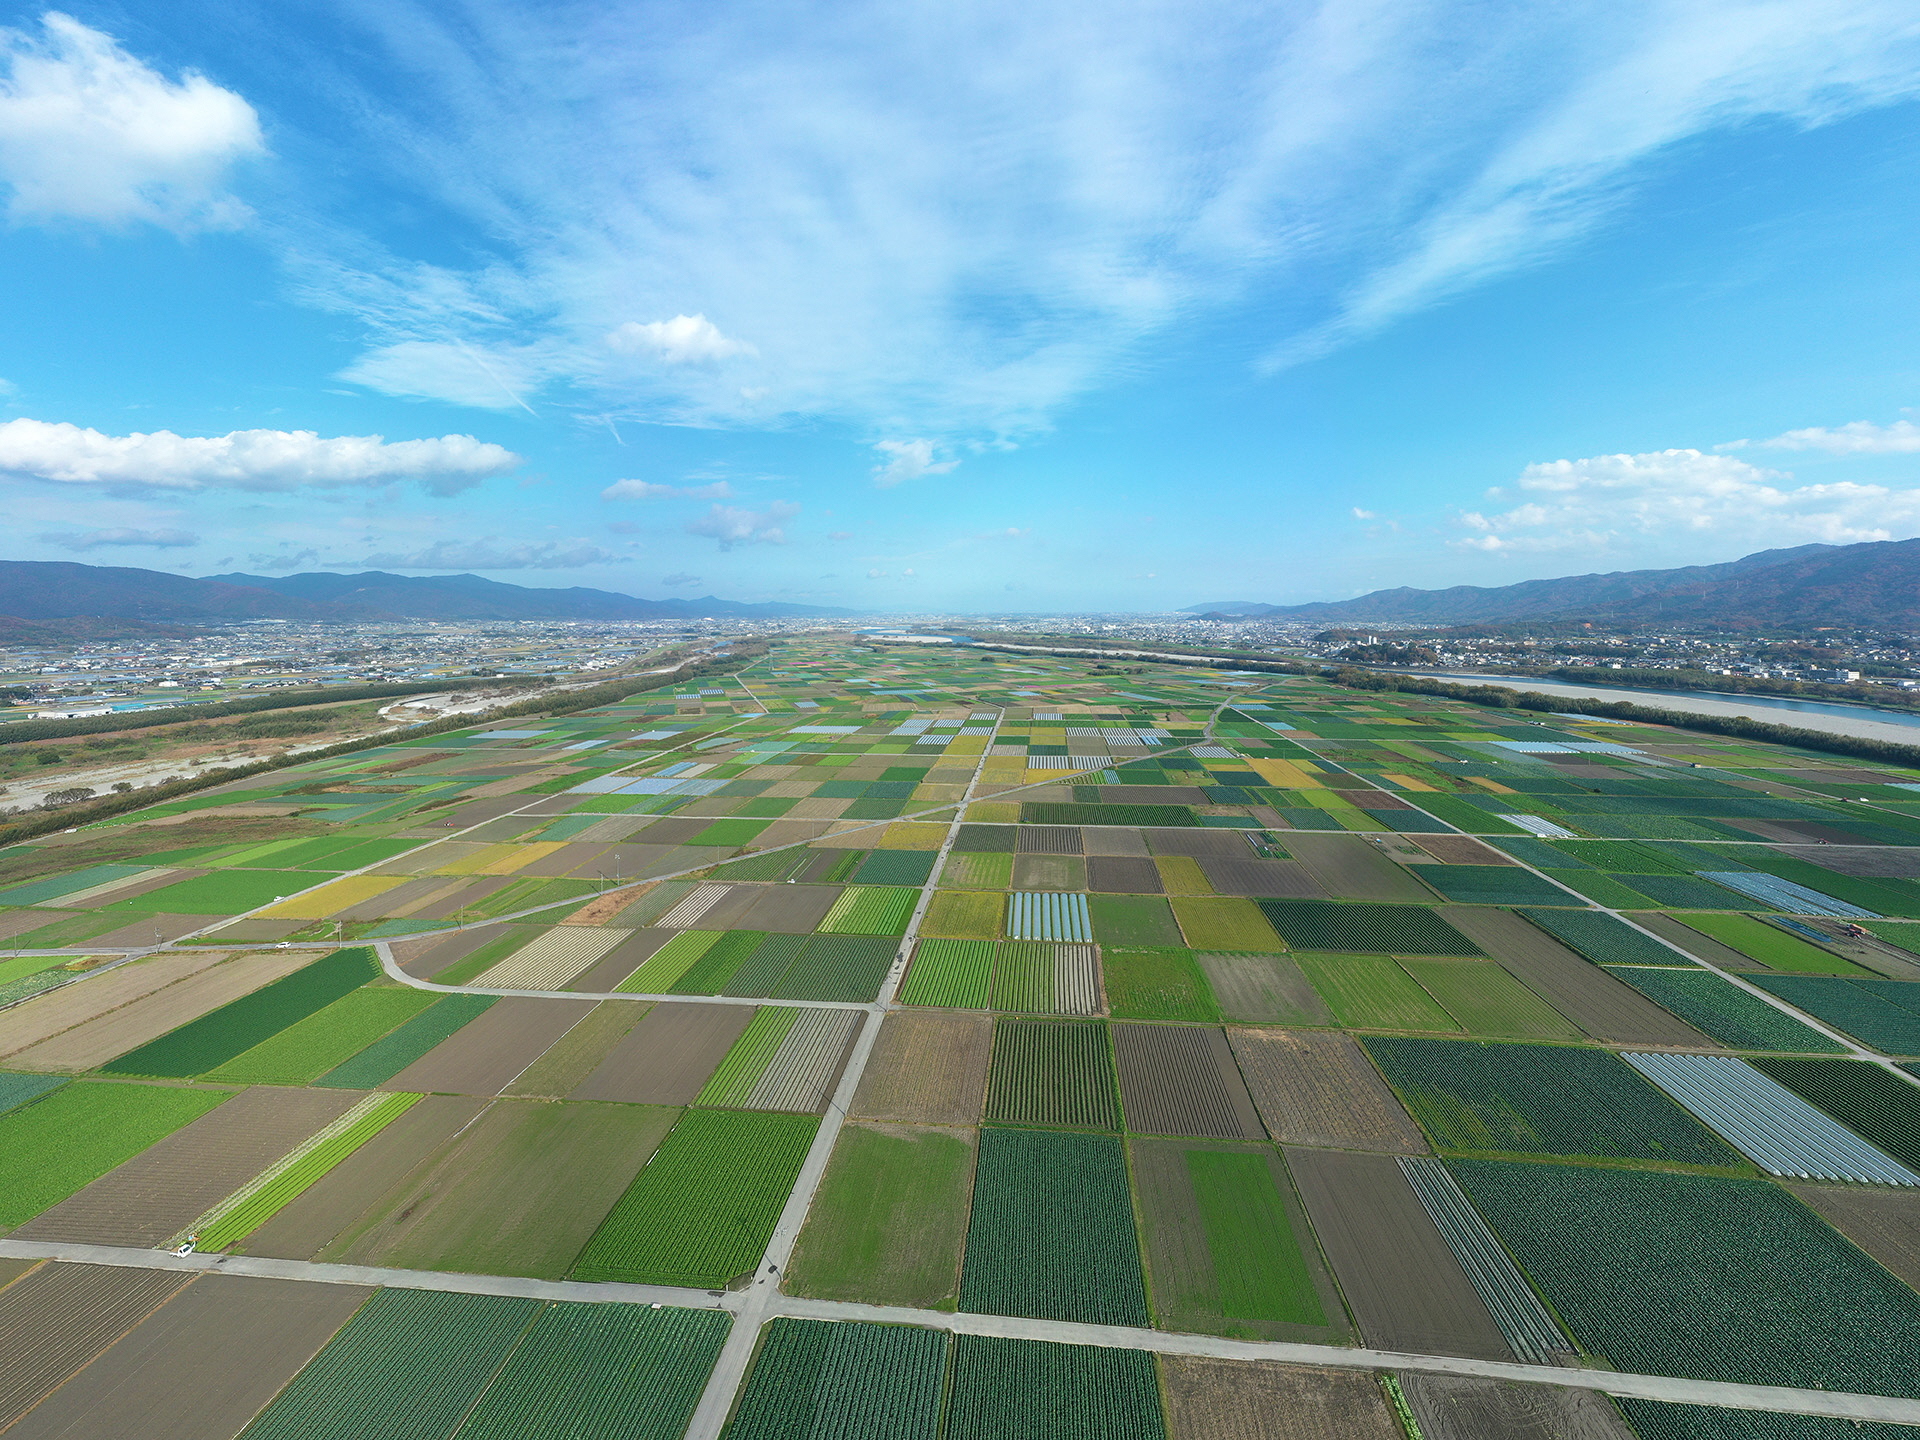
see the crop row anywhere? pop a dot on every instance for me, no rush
(1365, 928)
(1717, 1007)
(1046, 1072)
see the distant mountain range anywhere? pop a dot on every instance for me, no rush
(1875, 584)
(49, 599)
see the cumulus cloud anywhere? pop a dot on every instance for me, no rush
(683, 340)
(731, 525)
(907, 460)
(261, 460)
(680, 581)
(1678, 500)
(88, 132)
(94, 539)
(1859, 438)
(495, 555)
(650, 490)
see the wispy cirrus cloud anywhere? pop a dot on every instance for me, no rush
(1861, 437)
(122, 535)
(654, 490)
(954, 223)
(495, 555)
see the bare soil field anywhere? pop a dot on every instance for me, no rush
(1584, 993)
(1318, 1088)
(1210, 1399)
(345, 1192)
(1466, 1407)
(1462, 850)
(425, 956)
(1269, 879)
(49, 1015)
(1224, 844)
(573, 857)
(927, 1068)
(201, 1367)
(1884, 1223)
(488, 1054)
(785, 909)
(1123, 875)
(578, 1053)
(520, 1191)
(1263, 989)
(153, 930)
(1400, 1279)
(1350, 868)
(667, 1057)
(600, 977)
(1182, 1080)
(1890, 863)
(167, 1187)
(56, 1319)
(1114, 841)
(118, 1031)
(468, 892)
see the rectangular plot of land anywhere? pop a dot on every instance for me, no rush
(1400, 1279)
(39, 1019)
(170, 1185)
(1023, 1389)
(1123, 875)
(1466, 1407)
(1052, 1073)
(203, 1365)
(1133, 920)
(1486, 1000)
(1365, 928)
(1320, 1089)
(55, 1320)
(1210, 1399)
(1266, 879)
(485, 1056)
(1048, 840)
(1182, 1080)
(549, 961)
(1884, 1223)
(1351, 868)
(518, 1193)
(1127, 843)
(667, 1057)
(1263, 989)
(788, 909)
(1222, 922)
(1372, 992)
(928, 1069)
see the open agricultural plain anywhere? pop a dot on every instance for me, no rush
(886, 1044)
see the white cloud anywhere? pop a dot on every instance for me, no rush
(261, 460)
(1679, 504)
(683, 340)
(94, 539)
(955, 222)
(496, 377)
(907, 460)
(495, 555)
(1859, 438)
(680, 581)
(650, 490)
(89, 132)
(731, 525)
(1360, 514)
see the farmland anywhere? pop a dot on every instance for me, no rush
(1188, 981)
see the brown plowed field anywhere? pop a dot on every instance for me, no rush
(784, 909)
(1462, 850)
(1049, 840)
(1891, 863)
(168, 1186)
(1466, 1407)
(1350, 868)
(1584, 993)
(927, 1068)
(1100, 840)
(71, 1005)
(600, 977)
(202, 1367)
(1264, 989)
(115, 1033)
(667, 1057)
(345, 1192)
(1317, 1088)
(1210, 1399)
(1272, 879)
(151, 929)
(572, 858)
(427, 956)
(578, 1053)
(1181, 1080)
(55, 1320)
(1884, 1223)
(488, 1054)
(1226, 844)
(1400, 1279)
(1123, 875)
(518, 1193)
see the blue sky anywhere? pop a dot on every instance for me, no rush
(990, 306)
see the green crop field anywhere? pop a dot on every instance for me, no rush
(1493, 885)
(890, 1218)
(17, 1089)
(602, 1372)
(223, 892)
(1224, 922)
(1883, 1013)
(718, 963)
(1052, 1072)
(1372, 992)
(963, 915)
(771, 959)
(282, 1183)
(1156, 985)
(871, 910)
(1716, 1006)
(834, 967)
(1069, 814)
(1257, 1264)
(1362, 928)
(702, 1210)
(1133, 920)
(746, 1061)
(1771, 946)
(309, 1048)
(1669, 1274)
(75, 1134)
(819, 1378)
(981, 871)
(1052, 1232)
(1868, 1100)
(367, 1379)
(1036, 1390)
(1603, 939)
(1023, 977)
(1486, 1000)
(1473, 1095)
(955, 973)
(235, 1028)
(389, 1055)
